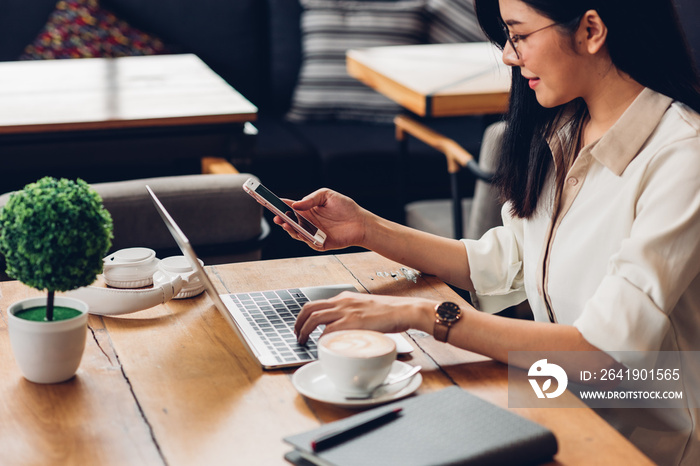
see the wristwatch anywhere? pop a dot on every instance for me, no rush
(446, 314)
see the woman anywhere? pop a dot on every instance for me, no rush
(601, 174)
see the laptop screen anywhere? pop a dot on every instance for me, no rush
(187, 250)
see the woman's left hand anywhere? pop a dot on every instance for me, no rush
(348, 310)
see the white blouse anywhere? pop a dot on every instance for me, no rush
(620, 260)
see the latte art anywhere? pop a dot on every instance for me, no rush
(356, 361)
(359, 344)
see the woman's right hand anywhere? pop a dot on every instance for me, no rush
(337, 215)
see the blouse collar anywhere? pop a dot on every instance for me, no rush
(623, 141)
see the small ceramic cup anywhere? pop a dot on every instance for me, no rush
(356, 361)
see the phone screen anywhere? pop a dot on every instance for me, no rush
(279, 204)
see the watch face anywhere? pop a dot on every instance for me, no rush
(449, 312)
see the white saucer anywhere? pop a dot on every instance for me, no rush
(311, 382)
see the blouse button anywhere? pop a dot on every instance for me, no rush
(573, 181)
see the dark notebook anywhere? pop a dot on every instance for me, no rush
(447, 427)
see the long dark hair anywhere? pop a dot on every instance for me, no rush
(645, 41)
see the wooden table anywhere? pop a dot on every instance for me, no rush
(109, 93)
(173, 385)
(436, 80)
(82, 114)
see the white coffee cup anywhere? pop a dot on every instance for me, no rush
(356, 361)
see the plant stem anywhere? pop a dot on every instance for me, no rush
(49, 306)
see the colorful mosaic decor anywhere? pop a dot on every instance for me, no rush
(82, 29)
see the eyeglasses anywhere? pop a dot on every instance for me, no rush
(515, 39)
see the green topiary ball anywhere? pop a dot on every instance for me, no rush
(54, 234)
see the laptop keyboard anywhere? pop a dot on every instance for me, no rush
(272, 315)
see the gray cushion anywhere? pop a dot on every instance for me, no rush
(210, 209)
(451, 21)
(331, 27)
(480, 213)
(223, 223)
(435, 216)
(486, 210)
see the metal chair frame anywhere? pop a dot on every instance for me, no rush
(456, 156)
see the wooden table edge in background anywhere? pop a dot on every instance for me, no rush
(111, 89)
(361, 65)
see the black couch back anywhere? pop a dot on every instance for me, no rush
(254, 44)
(229, 35)
(20, 22)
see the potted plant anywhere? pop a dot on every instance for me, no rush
(53, 234)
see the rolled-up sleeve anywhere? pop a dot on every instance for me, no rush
(496, 265)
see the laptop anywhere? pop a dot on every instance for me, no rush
(264, 320)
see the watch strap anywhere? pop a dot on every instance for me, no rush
(442, 326)
(440, 330)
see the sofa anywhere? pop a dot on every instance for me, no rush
(222, 223)
(258, 47)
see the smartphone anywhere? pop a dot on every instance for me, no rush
(277, 206)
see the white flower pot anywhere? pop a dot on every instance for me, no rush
(48, 352)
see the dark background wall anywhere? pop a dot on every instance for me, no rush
(689, 12)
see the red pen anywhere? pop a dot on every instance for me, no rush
(338, 436)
